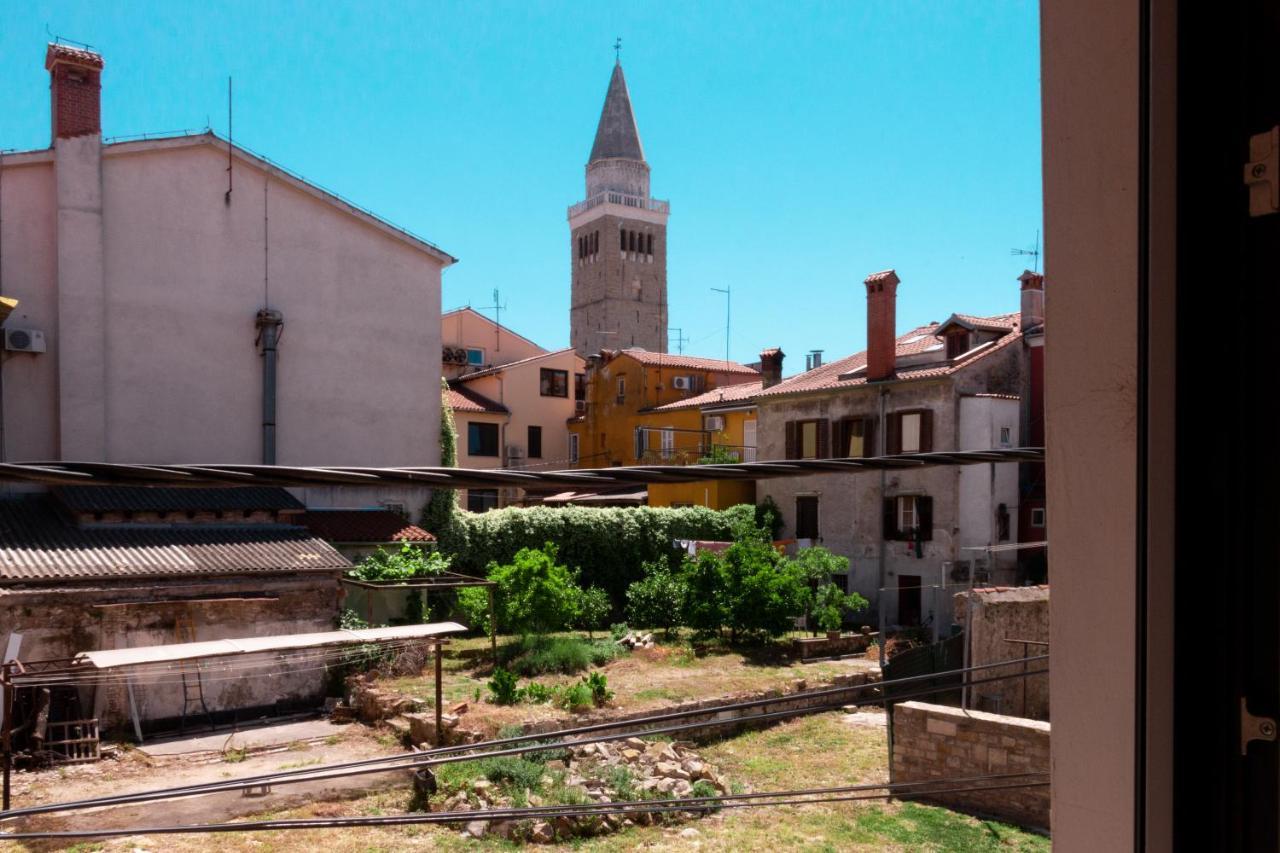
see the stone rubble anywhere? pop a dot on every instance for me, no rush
(657, 770)
(637, 641)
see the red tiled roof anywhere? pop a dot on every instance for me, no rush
(693, 362)
(67, 53)
(744, 392)
(919, 340)
(878, 276)
(362, 525)
(463, 399)
(1000, 323)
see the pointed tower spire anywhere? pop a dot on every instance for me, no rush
(616, 135)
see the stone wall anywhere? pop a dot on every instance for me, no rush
(940, 742)
(1000, 615)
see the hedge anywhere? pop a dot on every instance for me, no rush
(609, 545)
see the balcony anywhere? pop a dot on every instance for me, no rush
(641, 202)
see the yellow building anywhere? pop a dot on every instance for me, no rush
(663, 409)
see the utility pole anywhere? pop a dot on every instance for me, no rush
(728, 300)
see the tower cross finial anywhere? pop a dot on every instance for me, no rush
(617, 50)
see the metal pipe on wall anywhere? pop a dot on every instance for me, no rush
(269, 323)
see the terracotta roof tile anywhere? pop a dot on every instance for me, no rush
(463, 399)
(362, 525)
(919, 340)
(67, 53)
(693, 362)
(744, 392)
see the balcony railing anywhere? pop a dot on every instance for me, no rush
(611, 197)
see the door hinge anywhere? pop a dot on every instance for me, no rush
(1262, 172)
(1254, 728)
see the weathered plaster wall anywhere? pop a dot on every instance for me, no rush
(940, 742)
(1020, 614)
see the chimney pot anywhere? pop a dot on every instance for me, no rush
(882, 295)
(771, 367)
(1032, 300)
(75, 90)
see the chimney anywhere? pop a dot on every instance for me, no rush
(771, 367)
(1032, 300)
(882, 294)
(75, 88)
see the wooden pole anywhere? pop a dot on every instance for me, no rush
(6, 739)
(493, 627)
(439, 695)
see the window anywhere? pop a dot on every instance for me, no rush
(579, 386)
(649, 240)
(910, 432)
(1002, 523)
(807, 439)
(554, 383)
(807, 517)
(1037, 517)
(622, 240)
(668, 442)
(622, 390)
(482, 500)
(840, 582)
(475, 356)
(908, 517)
(1006, 437)
(482, 439)
(957, 343)
(855, 437)
(573, 448)
(535, 442)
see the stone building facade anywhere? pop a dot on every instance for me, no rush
(618, 240)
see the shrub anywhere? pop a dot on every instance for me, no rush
(768, 517)
(575, 697)
(502, 687)
(828, 607)
(594, 608)
(567, 655)
(816, 566)
(658, 599)
(598, 684)
(536, 693)
(704, 609)
(618, 630)
(535, 594)
(473, 604)
(763, 594)
(514, 771)
(407, 563)
(610, 545)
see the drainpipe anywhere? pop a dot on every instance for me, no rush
(881, 450)
(269, 323)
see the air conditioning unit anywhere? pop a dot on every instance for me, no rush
(682, 383)
(515, 453)
(580, 406)
(24, 340)
(715, 423)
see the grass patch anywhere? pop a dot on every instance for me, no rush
(529, 656)
(930, 828)
(235, 756)
(296, 764)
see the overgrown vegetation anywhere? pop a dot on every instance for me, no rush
(592, 690)
(438, 515)
(409, 563)
(529, 656)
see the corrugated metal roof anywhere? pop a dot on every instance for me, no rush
(160, 499)
(110, 658)
(362, 525)
(37, 544)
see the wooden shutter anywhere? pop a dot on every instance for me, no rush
(926, 431)
(869, 447)
(924, 513)
(891, 519)
(893, 434)
(822, 450)
(790, 450)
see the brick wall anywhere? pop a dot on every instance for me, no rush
(939, 742)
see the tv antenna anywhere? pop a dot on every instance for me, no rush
(728, 301)
(1034, 253)
(681, 340)
(497, 308)
(617, 50)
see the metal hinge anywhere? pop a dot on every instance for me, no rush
(1262, 172)
(1254, 728)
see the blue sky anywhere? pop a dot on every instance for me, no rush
(802, 145)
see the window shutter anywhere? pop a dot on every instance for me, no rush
(926, 431)
(891, 519)
(893, 442)
(823, 450)
(869, 446)
(924, 506)
(790, 440)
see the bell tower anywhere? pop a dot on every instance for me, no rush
(618, 240)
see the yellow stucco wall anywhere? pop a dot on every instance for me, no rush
(717, 494)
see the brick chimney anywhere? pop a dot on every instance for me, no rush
(1032, 299)
(75, 88)
(771, 367)
(882, 295)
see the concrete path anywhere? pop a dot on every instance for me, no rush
(254, 737)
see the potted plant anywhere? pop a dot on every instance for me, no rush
(828, 610)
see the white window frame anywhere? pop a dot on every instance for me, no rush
(906, 508)
(668, 437)
(472, 363)
(1039, 510)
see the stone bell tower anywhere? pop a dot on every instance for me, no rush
(618, 240)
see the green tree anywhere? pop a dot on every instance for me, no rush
(594, 608)
(658, 599)
(439, 513)
(762, 593)
(535, 594)
(704, 582)
(817, 566)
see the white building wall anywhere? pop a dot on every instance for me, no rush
(982, 488)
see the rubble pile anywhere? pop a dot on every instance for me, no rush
(622, 771)
(636, 641)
